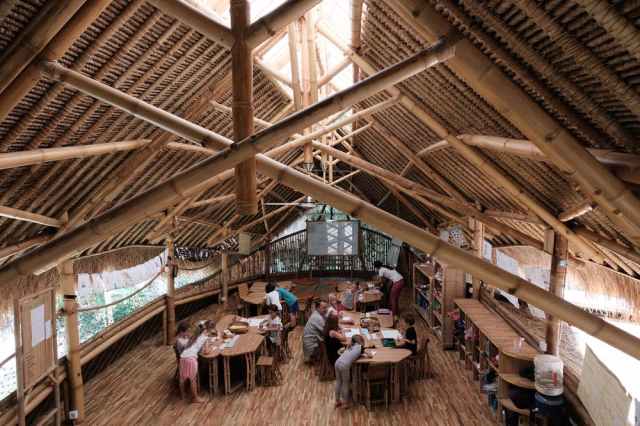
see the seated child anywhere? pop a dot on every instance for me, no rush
(410, 340)
(273, 324)
(349, 297)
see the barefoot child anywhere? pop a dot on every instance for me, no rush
(343, 369)
(189, 362)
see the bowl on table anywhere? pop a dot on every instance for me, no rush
(239, 327)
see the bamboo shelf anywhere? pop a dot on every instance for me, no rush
(494, 339)
(436, 285)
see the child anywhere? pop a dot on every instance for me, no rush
(189, 363)
(343, 370)
(292, 302)
(335, 307)
(349, 297)
(272, 296)
(183, 337)
(410, 340)
(273, 325)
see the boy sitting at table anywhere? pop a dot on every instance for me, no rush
(273, 324)
(410, 339)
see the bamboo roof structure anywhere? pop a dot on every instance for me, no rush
(67, 157)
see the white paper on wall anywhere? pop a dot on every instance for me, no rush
(37, 325)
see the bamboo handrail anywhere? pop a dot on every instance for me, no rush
(37, 156)
(94, 308)
(489, 81)
(283, 15)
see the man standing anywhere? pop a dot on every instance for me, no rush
(313, 331)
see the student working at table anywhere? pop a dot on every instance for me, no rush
(397, 282)
(410, 339)
(188, 347)
(273, 325)
(343, 369)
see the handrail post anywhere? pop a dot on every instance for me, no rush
(74, 363)
(224, 270)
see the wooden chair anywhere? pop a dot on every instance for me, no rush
(285, 350)
(376, 382)
(176, 375)
(268, 371)
(324, 370)
(302, 314)
(420, 364)
(285, 312)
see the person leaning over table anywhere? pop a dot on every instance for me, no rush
(313, 331)
(396, 288)
(343, 369)
(189, 359)
(292, 303)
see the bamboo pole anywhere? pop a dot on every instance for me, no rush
(488, 80)
(16, 214)
(51, 18)
(210, 28)
(477, 158)
(242, 107)
(137, 208)
(214, 200)
(293, 59)
(22, 246)
(55, 49)
(559, 267)
(519, 217)
(279, 18)
(38, 156)
(171, 270)
(224, 267)
(335, 70)
(438, 146)
(68, 285)
(576, 211)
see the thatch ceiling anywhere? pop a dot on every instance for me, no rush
(140, 50)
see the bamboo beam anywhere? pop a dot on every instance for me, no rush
(30, 75)
(224, 268)
(275, 75)
(576, 211)
(214, 200)
(438, 146)
(559, 267)
(607, 243)
(335, 70)
(202, 222)
(293, 60)
(22, 246)
(210, 28)
(38, 156)
(520, 217)
(68, 285)
(16, 214)
(242, 107)
(137, 208)
(478, 159)
(279, 18)
(48, 22)
(478, 248)
(486, 78)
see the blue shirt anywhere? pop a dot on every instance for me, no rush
(288, 297)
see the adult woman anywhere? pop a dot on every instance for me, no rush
(397, 282)
(333, 338)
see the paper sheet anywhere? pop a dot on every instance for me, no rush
(231, 343)
(37, 325)
(255, 322)
(391, 334)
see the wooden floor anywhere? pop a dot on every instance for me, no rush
(137, 390)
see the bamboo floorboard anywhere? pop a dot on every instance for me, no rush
(138, 389)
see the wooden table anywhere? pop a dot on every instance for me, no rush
(391, 358)
(247, 345)
(369, 297)
(254, 298)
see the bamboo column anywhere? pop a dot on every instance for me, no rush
(224, 267)
(170, 269)
(306, 59)
(74, 363)
(242, 106)
(559, 266)
(478, 245)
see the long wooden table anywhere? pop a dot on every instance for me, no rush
(246, 345)
(391, 358)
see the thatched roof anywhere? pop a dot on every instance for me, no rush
(587, 77)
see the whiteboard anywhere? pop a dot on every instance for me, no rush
(333, 238)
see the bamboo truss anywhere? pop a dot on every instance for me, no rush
(172, 190)
(486, 78)
(270, 24)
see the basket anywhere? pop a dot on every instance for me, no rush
(239, 327)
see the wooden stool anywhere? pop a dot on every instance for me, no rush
(268, 371)
(420, 364)
(376, 379)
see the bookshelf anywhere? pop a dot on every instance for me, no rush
(436, 286)
(495, 346)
